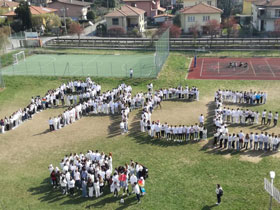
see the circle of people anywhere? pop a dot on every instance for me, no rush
(92, 172)
(238, 141)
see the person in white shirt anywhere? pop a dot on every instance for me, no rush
(275, 120)
(71, 186)
(201, 120)
(263, 117)
(131, 73)
(96, 188)
(269, 118)
(136, 189)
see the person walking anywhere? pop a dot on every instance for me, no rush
(219, 192)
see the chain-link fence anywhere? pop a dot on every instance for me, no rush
(162, 50)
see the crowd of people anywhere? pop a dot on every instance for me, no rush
(238, 141)
(248, 97)
(92, 172)
(257, 141)
(235, 64)
(246, 116)
(92, 101)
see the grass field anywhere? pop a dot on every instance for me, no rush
(182, 176)
(114, 65)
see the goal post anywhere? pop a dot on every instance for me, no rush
(19, 56)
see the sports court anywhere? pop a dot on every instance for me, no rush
(83, 65)
(218, 68)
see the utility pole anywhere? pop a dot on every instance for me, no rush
(64, 19)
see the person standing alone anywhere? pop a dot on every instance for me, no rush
(131, 73)
(219, 192)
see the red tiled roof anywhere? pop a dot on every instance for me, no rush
(8, 4)
(126, 11)
(271, 3)
(35, 11)
(201, 8)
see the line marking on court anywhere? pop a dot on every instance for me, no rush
(218, 67)
(201, 67)
(189, 67)
(253, 68)
(270, 68)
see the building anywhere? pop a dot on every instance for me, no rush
(8, 6)
(266, 15)
(151, 7)
(198, 15)
(163, 18)
(189, 3)
(34, 11)
(127, 18)
(77, 10)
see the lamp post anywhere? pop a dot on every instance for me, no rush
(272, 176)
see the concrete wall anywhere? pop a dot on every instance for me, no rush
(122, 23)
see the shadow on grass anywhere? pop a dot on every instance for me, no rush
(208, 207)
(51, 195)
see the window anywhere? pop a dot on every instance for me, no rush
(115, 21)
(209, 2)
(206, 18)
(191, 18)
(277, 13)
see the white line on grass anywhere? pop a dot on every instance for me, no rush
(189, 67)
(253, 68)
(201, 67)
(270, 68)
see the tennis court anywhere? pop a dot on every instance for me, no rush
(85, 65)
(218, 68)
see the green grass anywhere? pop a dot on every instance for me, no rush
(101, 65)
(181, 176)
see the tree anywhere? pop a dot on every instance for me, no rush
(90, 15)
(177, 20)
(52, 21)
(194, 30)
(229, 24)
(227, 6)
(4, 36)
(76, 28)
(116, 31)
(23, 13)
(101, 29)
(213, 27)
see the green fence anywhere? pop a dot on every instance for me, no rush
(162, 50)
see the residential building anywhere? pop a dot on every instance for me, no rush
(8, 6)
(189, 3)
(77, 10)
(34, 11)
(151, 7)
(198, 15)
(266, 15)
(127, 18)
(163, 18)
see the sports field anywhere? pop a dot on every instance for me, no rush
(181, 176)
(218, 68)
(115, 65)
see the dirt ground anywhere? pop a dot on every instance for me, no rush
(33, 135)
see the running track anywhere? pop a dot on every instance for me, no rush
(217, 68)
